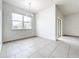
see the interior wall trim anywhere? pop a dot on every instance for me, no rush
(19, 39)
(70, 35)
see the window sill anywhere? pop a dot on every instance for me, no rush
(20, 29)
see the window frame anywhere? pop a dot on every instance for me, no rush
(21, 21)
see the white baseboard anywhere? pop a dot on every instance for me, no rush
(19, 39)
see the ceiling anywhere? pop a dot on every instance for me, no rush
(36, 5)
(66, 6)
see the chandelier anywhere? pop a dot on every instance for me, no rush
(29, 9)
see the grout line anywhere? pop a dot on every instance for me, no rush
(54, 50)
(68, 51)
(40, 49)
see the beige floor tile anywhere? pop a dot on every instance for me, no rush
(41, 48)
(36, 55)
(61, 51)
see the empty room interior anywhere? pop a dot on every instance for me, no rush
(39, 28)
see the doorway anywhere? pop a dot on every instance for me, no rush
(58, 27)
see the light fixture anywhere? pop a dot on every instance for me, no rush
(51, 3)
(29, 9)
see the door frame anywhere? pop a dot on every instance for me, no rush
(61, 29)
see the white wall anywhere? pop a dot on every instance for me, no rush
(71, 25)
(0, 24)
(8, 33)
(59, 13)
(45, 21)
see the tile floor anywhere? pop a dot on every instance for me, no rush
(65, 47)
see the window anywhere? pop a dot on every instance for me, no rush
(27, 22)
(21, 22)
